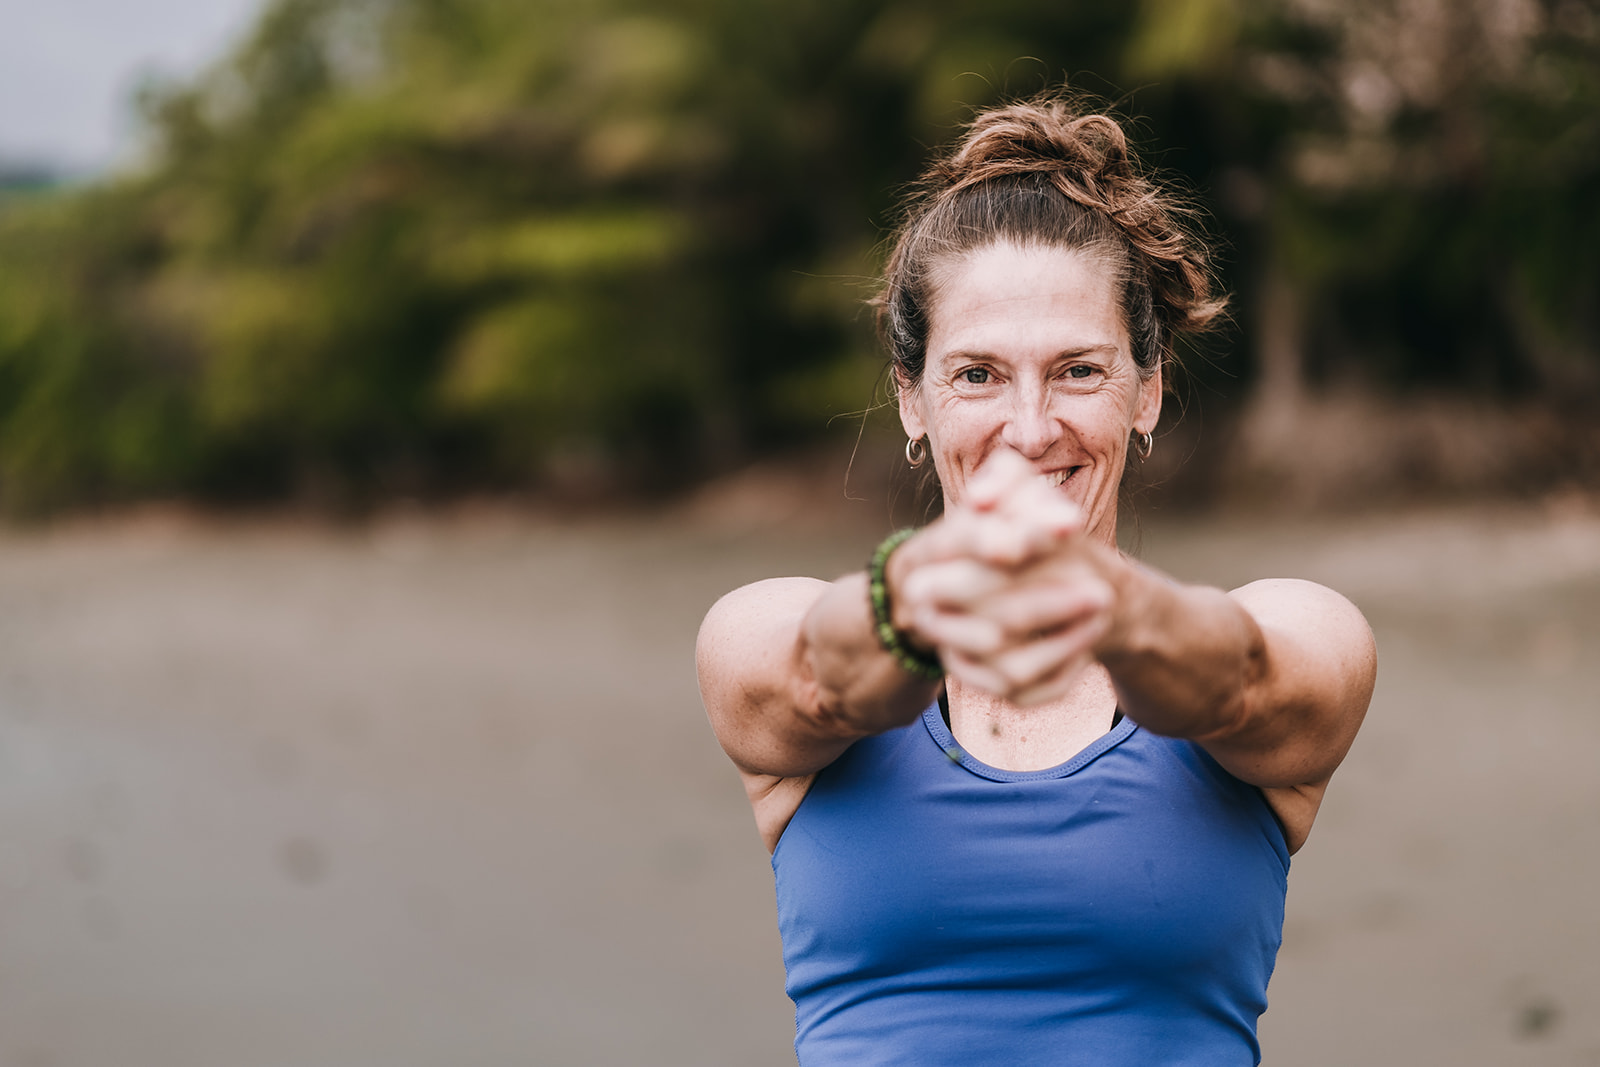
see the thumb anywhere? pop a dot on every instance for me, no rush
(1003, 473)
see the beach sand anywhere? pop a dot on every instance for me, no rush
(439, 790)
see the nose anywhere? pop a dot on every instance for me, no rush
(1031, 429)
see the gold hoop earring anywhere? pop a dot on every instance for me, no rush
(916, 451)
(1145, 443)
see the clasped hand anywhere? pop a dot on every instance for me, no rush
(1006, 586)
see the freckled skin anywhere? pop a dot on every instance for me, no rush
(1027, 350)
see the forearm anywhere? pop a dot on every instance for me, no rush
(1184, 659)
(857, 687)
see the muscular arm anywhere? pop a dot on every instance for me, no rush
(1273, 679)
(792, 674)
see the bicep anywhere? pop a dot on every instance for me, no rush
(1303, 709)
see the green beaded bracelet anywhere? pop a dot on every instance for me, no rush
(921, 664)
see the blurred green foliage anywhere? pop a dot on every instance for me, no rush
(396, 246)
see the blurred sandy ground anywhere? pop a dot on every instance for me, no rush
(440, 791)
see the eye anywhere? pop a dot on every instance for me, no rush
(1080, 370)
(975, 376)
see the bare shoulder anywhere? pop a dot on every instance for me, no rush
(1320, 642)
(767, 598)
(1303, 606)
(748, 636)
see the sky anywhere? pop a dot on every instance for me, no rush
(68, 70)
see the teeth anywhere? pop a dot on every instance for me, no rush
(1057, 477)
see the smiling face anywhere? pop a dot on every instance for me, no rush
(1027, 350)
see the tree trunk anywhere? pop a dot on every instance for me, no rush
(1278, 400)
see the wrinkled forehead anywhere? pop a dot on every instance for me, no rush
(988, 285)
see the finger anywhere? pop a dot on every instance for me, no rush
(972, 672)
(969, 635)
(1003, 540)
(1008, 544)
(963, 533)
(983, 611)
(950, 584)
(1024, 608)
(1052, 686)
(1036, 520)
(1031, 675)
(999, 475)
(1008, 482)
(1030, 666)
(987, 632)
(1023, 519)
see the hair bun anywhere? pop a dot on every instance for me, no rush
(1044, 170)
(1044, 137)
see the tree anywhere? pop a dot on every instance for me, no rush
(393, 245)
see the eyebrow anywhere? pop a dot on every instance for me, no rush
(1065, 353)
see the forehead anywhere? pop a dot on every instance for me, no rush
(1004, 297)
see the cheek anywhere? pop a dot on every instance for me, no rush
(1106, 422)
(960, 429)
(943, 418)
(1123, 411)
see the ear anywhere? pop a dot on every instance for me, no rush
(910, 410)
(1147, 411)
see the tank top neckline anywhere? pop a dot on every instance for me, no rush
(940, 734)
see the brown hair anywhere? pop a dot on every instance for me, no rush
(1039, 172)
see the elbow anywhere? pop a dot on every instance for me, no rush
(1239, 705)
(824, 713)
(1250, 699)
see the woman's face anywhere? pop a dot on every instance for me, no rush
(1027, 351)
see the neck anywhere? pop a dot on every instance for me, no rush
(1015, 738)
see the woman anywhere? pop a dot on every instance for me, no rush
(1028, 800)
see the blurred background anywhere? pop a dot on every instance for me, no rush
(387, 387)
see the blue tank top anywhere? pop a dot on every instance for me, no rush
(1125, 907)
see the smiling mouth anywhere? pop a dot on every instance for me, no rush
(1057, 478)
